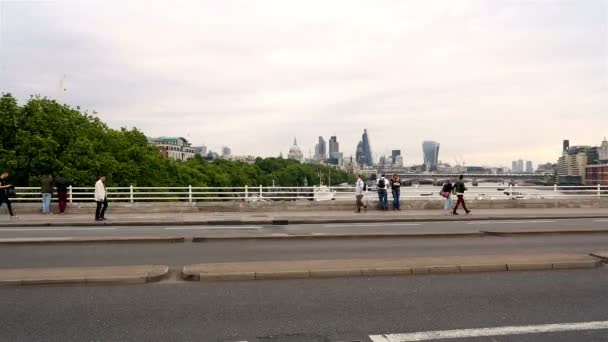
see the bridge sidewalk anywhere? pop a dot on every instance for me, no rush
(308, 217)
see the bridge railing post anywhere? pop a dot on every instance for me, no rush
(599, 190)
(510, 191)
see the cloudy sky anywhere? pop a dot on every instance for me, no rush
(491, 80)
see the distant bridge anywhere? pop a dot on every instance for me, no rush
(438, 178)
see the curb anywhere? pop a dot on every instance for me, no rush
(76, 240)
(322, 236)
(190, 272)
(280, 221)
(600, 255)
(544, 232)
(84, 275)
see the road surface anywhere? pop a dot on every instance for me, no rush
(346, 309)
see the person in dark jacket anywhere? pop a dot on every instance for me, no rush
(446, 192)
(62, 186)
(396, 190)
(460, 189)
(4, 190)
(46, 188)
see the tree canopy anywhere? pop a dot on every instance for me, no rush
(46, 137)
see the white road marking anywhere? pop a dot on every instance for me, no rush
(52, 229)
(213, 227)
(485, 332)
(601, 220)
(379, 224)
(508, 222)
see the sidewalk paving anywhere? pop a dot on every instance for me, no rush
(297, 217)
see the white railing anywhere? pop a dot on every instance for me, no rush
(269, 193)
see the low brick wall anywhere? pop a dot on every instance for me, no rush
(304, 205)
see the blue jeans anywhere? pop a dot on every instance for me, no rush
(46, 202)
(448, 203)
(383, 199)
(396, 194)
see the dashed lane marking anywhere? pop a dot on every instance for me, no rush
(509, 222)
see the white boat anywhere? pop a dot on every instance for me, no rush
(323, 193)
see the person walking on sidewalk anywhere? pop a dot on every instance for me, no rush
(62, 193)
(5, 193)
(460, 189)
(101, 197)
(446, 193)
(396, 190)
(383, 185)
(359, 188)
(46, 188)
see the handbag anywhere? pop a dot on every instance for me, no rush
(11, 193)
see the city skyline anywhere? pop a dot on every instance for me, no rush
(498, 69)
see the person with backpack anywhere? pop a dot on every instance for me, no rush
(383, 185)
(396, 190)
(6, 192)
(359, 188)
(459, 188)
(446, 193)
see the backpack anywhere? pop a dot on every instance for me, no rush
(381, 183)
(364, 187)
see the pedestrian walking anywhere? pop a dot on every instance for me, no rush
(460, 189)
(383, 185)
(446, 193)
(359, 188)
(101, 197)
(6, 192)
(46, 188)
(62, 193)
(396, 190)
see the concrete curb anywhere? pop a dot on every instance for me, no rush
(319, 236)
(299, 270)
(139, 274)
(543, 232)
(75, 240)
(282, 221)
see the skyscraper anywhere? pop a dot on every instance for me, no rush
(396, 157)
(334, 147)
(529, 167)
(520, 166)
(566, 145)
(514, 166)
(321, 150)
(430, 149)
(603, 151)
(364, 151)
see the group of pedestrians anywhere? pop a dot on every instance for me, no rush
(49, 184)
(383, 184)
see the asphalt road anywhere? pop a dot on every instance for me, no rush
(179, 254)
(330, 310)
(403, 227)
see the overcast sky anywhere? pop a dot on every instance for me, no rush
(491, 80)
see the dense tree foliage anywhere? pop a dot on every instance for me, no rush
(45, 137)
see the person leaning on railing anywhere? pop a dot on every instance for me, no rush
(6, 191)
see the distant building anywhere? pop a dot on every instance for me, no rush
(514, 166)
(295, 153)
(520, 166)
(321, 150)
(603, 151)
(573, 163)
(364, 151)
(200, 151)
(334, 146)
(176, 148)
(212, 156)
(226, 152)
(596, 174)
(565, 145)
(529, 167)
(430, 149)
(547, 169)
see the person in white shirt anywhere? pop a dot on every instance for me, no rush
(101, 197)
(383, 186)
(359, 188)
